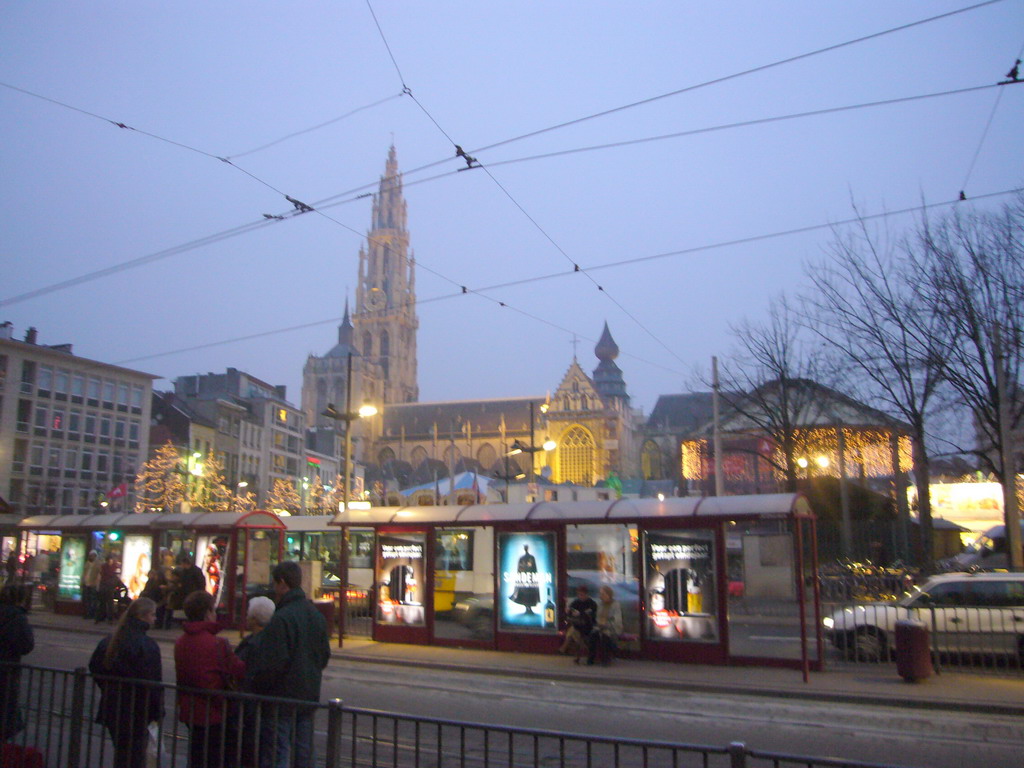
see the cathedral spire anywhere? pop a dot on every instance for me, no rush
(345, 329)
(608, 379)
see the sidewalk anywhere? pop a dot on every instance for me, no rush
(873, 685)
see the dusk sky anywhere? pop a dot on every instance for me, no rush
(198, 81)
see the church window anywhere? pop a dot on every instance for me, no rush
(385, 456)
(368, 344)
(385, 351)
(651, 462)
(419, 455)
(452, 457)
(584, 404)
(576, 451)
(487, 456)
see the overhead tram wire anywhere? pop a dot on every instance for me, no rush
(984, 133)
(317, 127)
(735, 75)
(351, 195)
(470, 164)
(481, 291)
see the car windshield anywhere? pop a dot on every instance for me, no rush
(910, 596)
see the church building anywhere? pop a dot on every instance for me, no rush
(588, 418)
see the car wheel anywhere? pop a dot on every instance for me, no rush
(869, 645)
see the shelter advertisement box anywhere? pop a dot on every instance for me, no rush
(72, 566)
(400, 579)
(681, 598)
(526, 598)
(135, 564)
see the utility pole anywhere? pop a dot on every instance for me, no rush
(1008, 460)
(717, 439)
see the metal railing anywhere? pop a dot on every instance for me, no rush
(60, 707)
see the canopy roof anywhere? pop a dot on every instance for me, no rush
(148, 520)
(773, 505)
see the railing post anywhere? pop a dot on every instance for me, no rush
(335, 723)
(738, 755)
(77, 719)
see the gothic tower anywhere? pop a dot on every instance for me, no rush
(385, 321)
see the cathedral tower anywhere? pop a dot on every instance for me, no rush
(385, 321)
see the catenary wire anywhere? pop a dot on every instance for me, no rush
(350, 195)
(470, 161)
(735, 75)
(316, 127)
(984, 133)
(480, 291)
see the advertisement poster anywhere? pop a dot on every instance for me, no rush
(72, 565)
(681, 585)
(135, 565)
(210, 557)
(400, 579)
(526, 598)
(257, 564)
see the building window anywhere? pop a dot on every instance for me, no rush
(87, 461)
(45, 379)
(133, 432)
(94, 391)
(105, 427)
(60, 382)
(108, 394)
(74, 423)
(57, 424)
(28, 376)
(77, 387)
(650, 462)
(42, 416)
(90, 425)
(576, 452)
(137, 397)
(53, 461)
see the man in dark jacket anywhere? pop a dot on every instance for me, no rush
(289, 663)
(16, 640)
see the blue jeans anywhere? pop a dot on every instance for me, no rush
(281, 729)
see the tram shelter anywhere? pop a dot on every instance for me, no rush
(697, 578)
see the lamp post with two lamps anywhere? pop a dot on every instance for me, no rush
(531, 449)
(348, 416)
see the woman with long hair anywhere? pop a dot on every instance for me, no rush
(127, 708)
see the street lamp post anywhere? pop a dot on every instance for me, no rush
(531, 449)
(348, 416)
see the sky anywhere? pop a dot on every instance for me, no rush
(677, 239)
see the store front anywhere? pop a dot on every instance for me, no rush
(691, 575)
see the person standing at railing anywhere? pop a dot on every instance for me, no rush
(16, 640)
(203, 660)
(126, 710)
(289, 662)
(259, 612)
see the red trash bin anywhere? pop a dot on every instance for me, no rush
(913, 650)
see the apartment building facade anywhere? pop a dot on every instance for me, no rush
(73, 431)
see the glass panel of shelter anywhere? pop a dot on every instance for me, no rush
(600, 556)
(763, 604)
(464, 583)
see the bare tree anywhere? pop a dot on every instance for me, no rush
(769, 384)
(867, 308)
(975, 278)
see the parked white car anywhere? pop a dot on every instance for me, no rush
(964, 613)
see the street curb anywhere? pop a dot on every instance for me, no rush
(664, 685)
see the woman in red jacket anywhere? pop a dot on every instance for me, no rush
(203, 660)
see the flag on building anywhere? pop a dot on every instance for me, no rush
(118, 491)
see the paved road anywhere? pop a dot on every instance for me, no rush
(878, 734)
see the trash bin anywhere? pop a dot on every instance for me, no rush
(913, 650)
